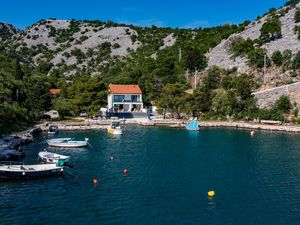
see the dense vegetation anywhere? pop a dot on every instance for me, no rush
(24, 87)
(23, 92)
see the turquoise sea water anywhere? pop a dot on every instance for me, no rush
(256, 179)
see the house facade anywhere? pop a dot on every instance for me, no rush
(124, 98)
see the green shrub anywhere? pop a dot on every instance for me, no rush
(116, 45)
(241, 47)
(271, 30)
(83, 38)
(277, 58)
(297, 31)
(283, 104)
(297, 16)
(256, 58)
(296, 61)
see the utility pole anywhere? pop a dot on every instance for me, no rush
(196, 77)
(187, 75)
(179, 56)
(265, 66)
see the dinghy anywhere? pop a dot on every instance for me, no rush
(67, 143)
(20, 171)
(115, 128)
(53, 129)
(193, 125)
(49, 157)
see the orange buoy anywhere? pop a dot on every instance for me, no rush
(95, 181)
(125, 171)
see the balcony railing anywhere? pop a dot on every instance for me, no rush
(127, 101)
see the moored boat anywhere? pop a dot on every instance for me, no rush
(67, 143)
(20, 171)
(115, 128)
(50, 157)
(53, 129)
(193, 125)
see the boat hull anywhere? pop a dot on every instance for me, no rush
(53, 158)
(25, 175)
(114, 131)
(67, 145)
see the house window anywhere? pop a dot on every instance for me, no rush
(135, 98)
(118, 98)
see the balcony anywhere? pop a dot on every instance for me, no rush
(127, 99)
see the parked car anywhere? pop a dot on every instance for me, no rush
(53, 114)
(83, 114)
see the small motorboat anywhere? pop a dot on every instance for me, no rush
(193, 125)
(53, 129)
(50, 157)
(67, 143)
(115, 128)
(20, 171)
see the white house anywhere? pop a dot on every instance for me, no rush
(124, 98)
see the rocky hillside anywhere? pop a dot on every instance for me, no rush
(72, 46)
(6, 31)
(223, 56)
(76, 44)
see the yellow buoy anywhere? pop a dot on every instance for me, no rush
(211, 194)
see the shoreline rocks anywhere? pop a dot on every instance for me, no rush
(173, 123)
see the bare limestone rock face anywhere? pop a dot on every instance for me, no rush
(169, 41)
(87, 37)
(222, 57)
(39, 34)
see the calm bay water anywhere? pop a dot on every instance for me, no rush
(256, 179)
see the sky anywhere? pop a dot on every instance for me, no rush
(162, 13)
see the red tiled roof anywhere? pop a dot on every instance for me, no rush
(124, 89)
(54, 91)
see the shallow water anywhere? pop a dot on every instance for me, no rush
(256, 179)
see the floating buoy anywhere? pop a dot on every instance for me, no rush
(111, 158)
(125, 171)
(252, 133)
(95, 181)
(211, 194)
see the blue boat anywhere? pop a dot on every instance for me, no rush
(193, 124)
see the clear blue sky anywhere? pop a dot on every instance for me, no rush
(171, 13)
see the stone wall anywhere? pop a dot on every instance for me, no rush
(266, 99)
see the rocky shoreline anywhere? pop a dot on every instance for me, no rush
(11, 145)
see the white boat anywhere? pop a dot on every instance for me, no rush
(115, 128)
(19, 171)
(50, 157)
(67, 143)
